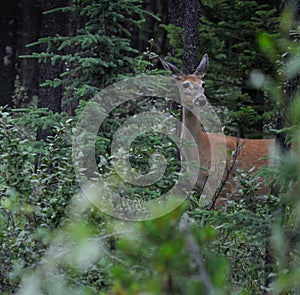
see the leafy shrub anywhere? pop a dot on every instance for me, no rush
(36, 184)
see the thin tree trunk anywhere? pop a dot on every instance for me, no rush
(176, 10)
(191, 36)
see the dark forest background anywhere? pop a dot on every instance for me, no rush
(227, 31)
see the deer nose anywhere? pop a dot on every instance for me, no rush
(200, 101)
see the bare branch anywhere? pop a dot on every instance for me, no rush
(195, 255)
(229, 169)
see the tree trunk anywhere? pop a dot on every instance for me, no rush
(186, 14)
(191, 36)
(51, 24)
(8, 37)
(176, 10)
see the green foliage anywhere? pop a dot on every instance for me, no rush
(242, 241)
(166, 257)
(154, 257)
(175, 37)
(36, 183)
(99, 49)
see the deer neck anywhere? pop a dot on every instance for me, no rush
(193, 123)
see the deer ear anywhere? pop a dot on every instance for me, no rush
(171, 68)
(203, 66)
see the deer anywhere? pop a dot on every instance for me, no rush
(246, 154)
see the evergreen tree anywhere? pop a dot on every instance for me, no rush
(228, 33)
(99, 49)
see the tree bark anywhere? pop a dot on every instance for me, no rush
(191, 36)
(176, 10)
(186, 14)
(51, 24)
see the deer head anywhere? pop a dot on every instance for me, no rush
(191, 86)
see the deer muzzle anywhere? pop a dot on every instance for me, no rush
(200, 100)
